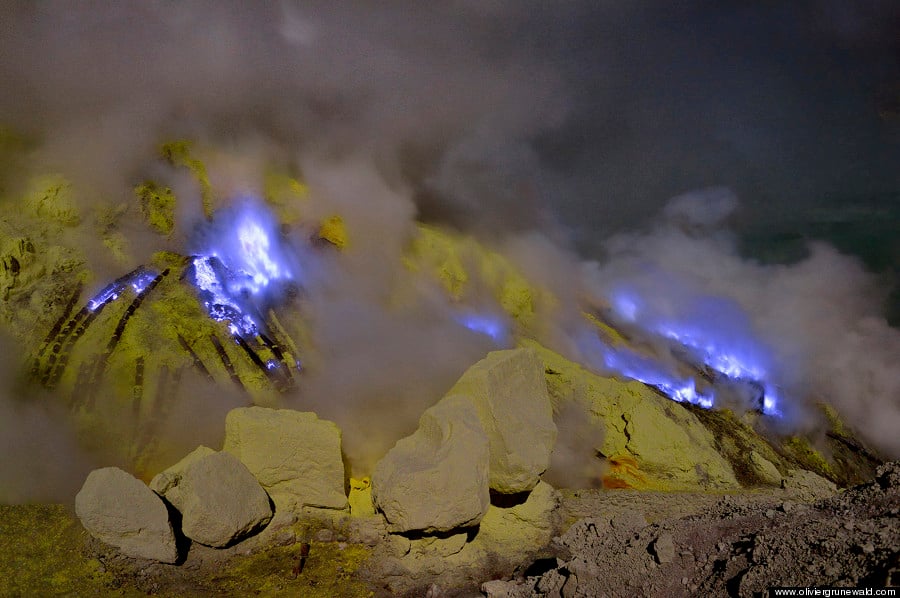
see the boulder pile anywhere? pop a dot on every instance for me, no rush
(274, 459)
(295, 455)
(437, 479)
(462, 493)
(492, 433)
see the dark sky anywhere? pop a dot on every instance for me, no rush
(589, 113)
(779, 101)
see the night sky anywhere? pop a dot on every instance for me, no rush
(792, 105)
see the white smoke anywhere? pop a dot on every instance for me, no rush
(821, 317)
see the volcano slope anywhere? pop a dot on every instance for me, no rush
(653, 495)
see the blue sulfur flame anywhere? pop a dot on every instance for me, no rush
(139, 280)
(242, 266)
(643, 369)
(709, 332)
(487, 325)
(220, 304)
(142, 280)
(635, 366)
(245, 239)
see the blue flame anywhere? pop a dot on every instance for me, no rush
(142, 280)
(247, 242)
(242, 266)
(221, 305)
(485, 324)
(635, 366)
(711, 333)
(139, 280)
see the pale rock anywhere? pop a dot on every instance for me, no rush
(551, 583)
(295, 455)
(496, 588)
(664, 548)
(629, 522)
(430, 546)
(510, 393)
(807, 485)
(764, 469)
(570, 588)
(369, 531)
(506, 589)
(162, 481)
(219, 499)
(121, 510)
(523, 529)
(506, 538)
(437, 478)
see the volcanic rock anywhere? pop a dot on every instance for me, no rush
(506, 537)
(737, 544)
(163, 481)
(294, 455)
(764, 469)
(888, 475)
(510, 393)
(651, 442)
(808, 486)
(119, 509)
(219, 499)
(437, 478)
(664, 549)
(521, 529)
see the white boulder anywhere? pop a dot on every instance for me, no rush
(437, 478)
(219, 499)
(509, 391)
(121, 510)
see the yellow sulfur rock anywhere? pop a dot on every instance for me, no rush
(650, 442)
(178, 153)
(360, 497)
(516, 297)
(436, 252)
(285, 194)
(334, 231)
(466, 268)
(610, 334)
(157, 206)
(50, 198)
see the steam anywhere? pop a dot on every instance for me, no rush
(803, 322)
(42, 459)
(542, 130)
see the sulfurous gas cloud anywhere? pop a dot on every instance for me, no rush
(555, 133)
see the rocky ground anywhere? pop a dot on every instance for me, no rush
(629, 543)
(610, 543)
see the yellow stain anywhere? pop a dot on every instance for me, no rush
(334, 231)
(360, 497)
